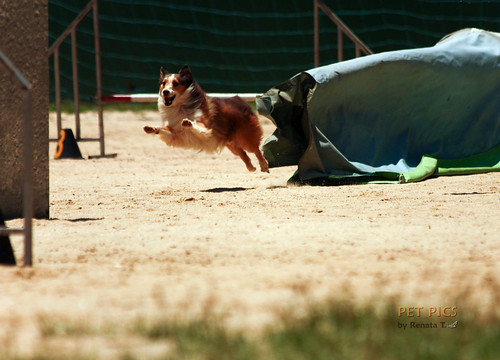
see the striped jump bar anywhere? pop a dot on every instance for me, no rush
(150, 98)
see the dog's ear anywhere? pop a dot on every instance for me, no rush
(186, 75)
(163, 72)
(185, 70)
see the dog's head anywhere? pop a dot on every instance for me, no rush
(174, 86)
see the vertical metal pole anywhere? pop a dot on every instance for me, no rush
(76, 92)
(28, 178)
(340, 45)
(98, 76)
(58, 90)
(316, 34)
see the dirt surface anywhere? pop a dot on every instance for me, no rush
(158, 231)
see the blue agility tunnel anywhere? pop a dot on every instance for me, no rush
(398, 116)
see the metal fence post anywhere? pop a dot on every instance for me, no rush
(341, 30)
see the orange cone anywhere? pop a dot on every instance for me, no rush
(67, 147)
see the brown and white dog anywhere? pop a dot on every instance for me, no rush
(193, 120)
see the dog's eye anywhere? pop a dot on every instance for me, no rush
(175, 83)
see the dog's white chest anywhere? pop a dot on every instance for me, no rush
(173, 117)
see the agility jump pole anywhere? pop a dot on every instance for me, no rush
(54, 51)
(151, 98)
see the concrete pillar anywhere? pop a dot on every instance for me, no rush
(24, 40)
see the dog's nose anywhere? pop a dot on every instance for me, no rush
(166, 92)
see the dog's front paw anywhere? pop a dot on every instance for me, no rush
(151, 130)
(187, 123)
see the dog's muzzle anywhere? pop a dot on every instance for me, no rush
(167, 98)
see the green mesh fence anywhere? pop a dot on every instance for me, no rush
(241, 46)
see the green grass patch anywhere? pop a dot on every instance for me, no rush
(56, 326)
(204, 338)
(329, 331)
(340, 331)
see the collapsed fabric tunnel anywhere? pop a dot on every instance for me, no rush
(398, 116)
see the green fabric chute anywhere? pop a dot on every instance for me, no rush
(399, 116)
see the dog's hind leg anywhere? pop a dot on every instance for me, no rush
(236, 150)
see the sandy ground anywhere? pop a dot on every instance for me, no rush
(158, 231)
